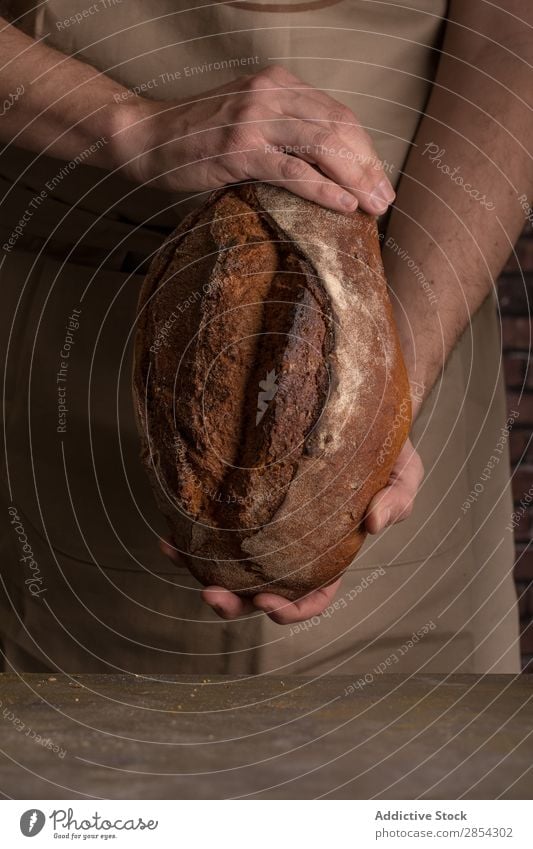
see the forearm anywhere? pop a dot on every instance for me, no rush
(448, 241)
(56, 104)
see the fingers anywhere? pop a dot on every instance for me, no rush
(342, 148)
(227, 604)
(316, 129)
(285, 612)
(345, 163)
(394, 503)
(246, 129)
(302, 179)
(279, 609)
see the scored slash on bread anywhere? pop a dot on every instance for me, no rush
(260, 285)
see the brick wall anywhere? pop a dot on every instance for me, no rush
(516, 295)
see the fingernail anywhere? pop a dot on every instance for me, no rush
(382, 196)
(348, 201)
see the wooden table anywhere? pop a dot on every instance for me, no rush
(407, 737)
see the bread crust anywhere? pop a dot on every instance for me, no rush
(269, 388)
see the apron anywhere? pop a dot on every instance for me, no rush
(84, 585)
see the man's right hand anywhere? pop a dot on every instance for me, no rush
(247, 130)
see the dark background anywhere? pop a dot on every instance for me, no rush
(515, 295)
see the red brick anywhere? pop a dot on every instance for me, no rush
(523, 570)
(526, 638)
(515, 368)
(521, 445)
(516, 333)
(529, 600)
(523, 528)
(522, 402)
(522, 482)
(527, 663)
(524, 253)
(522, 593)
(514, 294)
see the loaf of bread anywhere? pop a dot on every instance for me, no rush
(269, 387)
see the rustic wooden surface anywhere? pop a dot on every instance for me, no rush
(117, 736)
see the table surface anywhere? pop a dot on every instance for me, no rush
(177, 737)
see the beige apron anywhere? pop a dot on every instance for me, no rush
(93, 592)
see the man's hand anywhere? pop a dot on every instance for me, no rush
(395, 502)
(392, 504)
(228, 605)
(241, 131)
(270, 126)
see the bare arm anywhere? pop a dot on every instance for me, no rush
(64, 105)
(458, 211)
(238, 131)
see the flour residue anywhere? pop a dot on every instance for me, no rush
(359, 321)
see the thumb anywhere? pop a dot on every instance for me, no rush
(394, 503)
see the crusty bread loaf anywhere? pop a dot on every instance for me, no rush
(269, 387)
